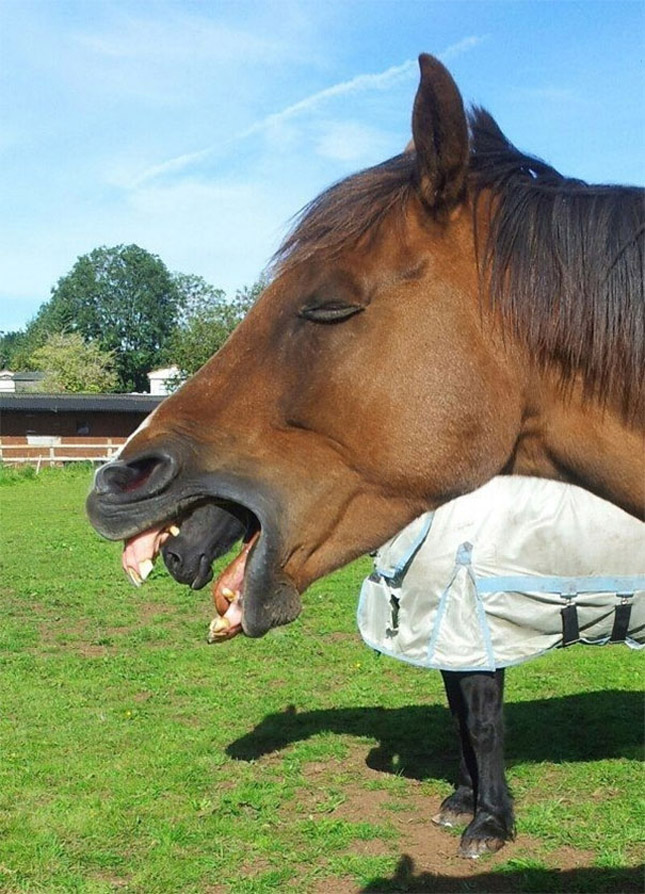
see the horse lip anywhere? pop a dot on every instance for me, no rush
(109, 518)
(204, 574)
(118, 519)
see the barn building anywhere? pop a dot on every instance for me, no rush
(62, 427)
(55, 428)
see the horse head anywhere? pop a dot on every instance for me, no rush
(368, 384)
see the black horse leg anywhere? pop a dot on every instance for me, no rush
(478, 700)
(459, 807)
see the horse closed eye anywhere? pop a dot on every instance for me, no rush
(332, 312)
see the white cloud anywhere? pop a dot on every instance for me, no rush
(172, 166)
(126, 96)
(379, 81)
(351, 141)
(461, 47)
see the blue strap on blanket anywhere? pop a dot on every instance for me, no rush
(563, 585)
(623, 587)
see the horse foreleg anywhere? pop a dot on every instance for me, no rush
(494, 823)
(477, 700)
(459, 807)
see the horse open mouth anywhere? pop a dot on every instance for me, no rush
(141, 551)
(144, 501)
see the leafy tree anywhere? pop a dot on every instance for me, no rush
(124, 299)
(207, 319)
(72, 365)
(15, 350)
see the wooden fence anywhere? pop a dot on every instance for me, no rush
(54, 451)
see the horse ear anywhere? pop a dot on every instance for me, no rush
(440, 136)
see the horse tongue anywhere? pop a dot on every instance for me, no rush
(140, 552)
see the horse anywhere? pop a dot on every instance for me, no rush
(458, 312)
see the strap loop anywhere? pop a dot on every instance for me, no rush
(622, 615)
(570, 628)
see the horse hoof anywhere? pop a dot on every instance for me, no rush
(472, 848)
(451, 818)
(458, 809)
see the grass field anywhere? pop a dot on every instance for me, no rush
(135, 757)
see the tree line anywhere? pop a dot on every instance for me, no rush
(118, 314)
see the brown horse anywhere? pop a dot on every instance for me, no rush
(457, 312)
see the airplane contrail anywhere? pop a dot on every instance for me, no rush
(379, 81)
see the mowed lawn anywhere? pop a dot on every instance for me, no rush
(135, 757)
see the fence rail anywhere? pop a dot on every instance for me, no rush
(55, 451)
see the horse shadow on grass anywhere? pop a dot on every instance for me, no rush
(524, 880)
(419, 741)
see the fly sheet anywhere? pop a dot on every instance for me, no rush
(505, 573)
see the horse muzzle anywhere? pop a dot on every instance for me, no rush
(151, 493)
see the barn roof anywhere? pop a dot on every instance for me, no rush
(96, 403)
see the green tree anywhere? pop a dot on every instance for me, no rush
(122, 298)
(207, 319)
(72, 365)
(14, 350)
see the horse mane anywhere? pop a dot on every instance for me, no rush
(347, 211)
(562, 261)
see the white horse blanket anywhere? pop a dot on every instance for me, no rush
(505, 573)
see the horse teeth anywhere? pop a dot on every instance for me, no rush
(230, 595)
(145, 568)
(219, 625)
(174, 530)
(134, 577)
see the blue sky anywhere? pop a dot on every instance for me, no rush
(197, 129)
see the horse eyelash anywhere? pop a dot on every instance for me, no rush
(331, 312)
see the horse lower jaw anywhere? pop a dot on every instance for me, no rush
(270, 599)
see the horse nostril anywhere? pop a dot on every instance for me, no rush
(149, 474)
(113, 477)
(172, 561)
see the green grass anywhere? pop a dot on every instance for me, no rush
(135, 757)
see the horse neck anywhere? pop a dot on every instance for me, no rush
(571, 437)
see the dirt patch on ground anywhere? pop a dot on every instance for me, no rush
(92, 640)
(425, 855)
(434, 849)
(115, 882)
(338, 637)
